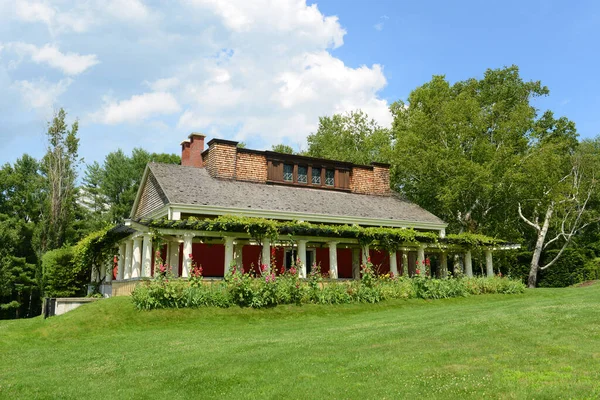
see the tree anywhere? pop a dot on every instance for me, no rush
(282, 148)
(59, 168)
(351, 137)
(116, 181)
(457, 147)
(558, 201)
(21, 192)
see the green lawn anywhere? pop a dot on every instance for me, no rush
(544, 344)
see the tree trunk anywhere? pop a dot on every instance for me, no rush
(539, 246)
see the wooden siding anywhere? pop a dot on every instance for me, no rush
(152, 197)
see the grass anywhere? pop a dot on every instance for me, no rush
(544, 344)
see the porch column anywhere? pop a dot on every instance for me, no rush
(174, 258)
(444, 265)
(421, 255)
(489, 265)
(128, 259)
(238, 249)
(365, 254)
(228, 254)
(108, 267)
(266, 254)
(302, 257)
(136, 262)
(94, 277)
(404, 262)
(468, 264)
(187, 252)
(121, 267)
(147, 256)
(393, 263)
(356, 263)
(333, 265)
(412, 263)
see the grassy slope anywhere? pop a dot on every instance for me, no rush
(543, 344)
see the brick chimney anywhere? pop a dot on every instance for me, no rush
(191, 150)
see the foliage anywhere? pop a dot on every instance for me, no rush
(62, 276)
(352, 137)
(576, 265)
(111, 187)
(260, 228)
(283, 148)
(472, 134)
(269, 289)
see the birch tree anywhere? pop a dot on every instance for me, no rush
(59, 168)
(559, 183)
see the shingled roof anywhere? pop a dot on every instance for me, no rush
(192, 186)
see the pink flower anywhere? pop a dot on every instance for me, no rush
(369, 259)
(293, 271)
(263, 267)
(418, 272)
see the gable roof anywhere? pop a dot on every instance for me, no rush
(191, 186)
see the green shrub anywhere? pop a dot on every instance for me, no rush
(62, 276)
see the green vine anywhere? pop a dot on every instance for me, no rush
(259, 228)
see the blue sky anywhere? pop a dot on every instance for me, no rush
(147, 74)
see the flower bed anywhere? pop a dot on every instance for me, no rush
(273, 287)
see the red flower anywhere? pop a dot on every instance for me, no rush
(263, 267)
(418, 272)
(369, 259)
(427, 262)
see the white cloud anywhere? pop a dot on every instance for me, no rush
(379, 26)
(40, 94)
(292, 17)
(80, 16)
(137, 109)
(69, 63)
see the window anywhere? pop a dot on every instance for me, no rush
(316, 176)
(302, 174)
(288, 172)
(329, 177)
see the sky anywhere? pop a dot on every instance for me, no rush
(148, 73)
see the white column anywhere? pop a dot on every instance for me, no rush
(421, 255)
(266, 253)
(136, 262)
(365, 254)
(412, 262)
(94, 277)
(393, 263)
(333, 265)
(302, 257)
(187, 251)
(121, 267)
(228, 255)
(147, 256)
(457, 265)
(444, 265)
(489, 265)
(421, 259)
(128, 259)
(468, 264)
(108, 267)
(174, 258)
(238, 250)
(356, 263)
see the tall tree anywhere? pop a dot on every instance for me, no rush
(59, 168)
(456, 147)
(352, 137)
(559, 179)
(116, 181)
